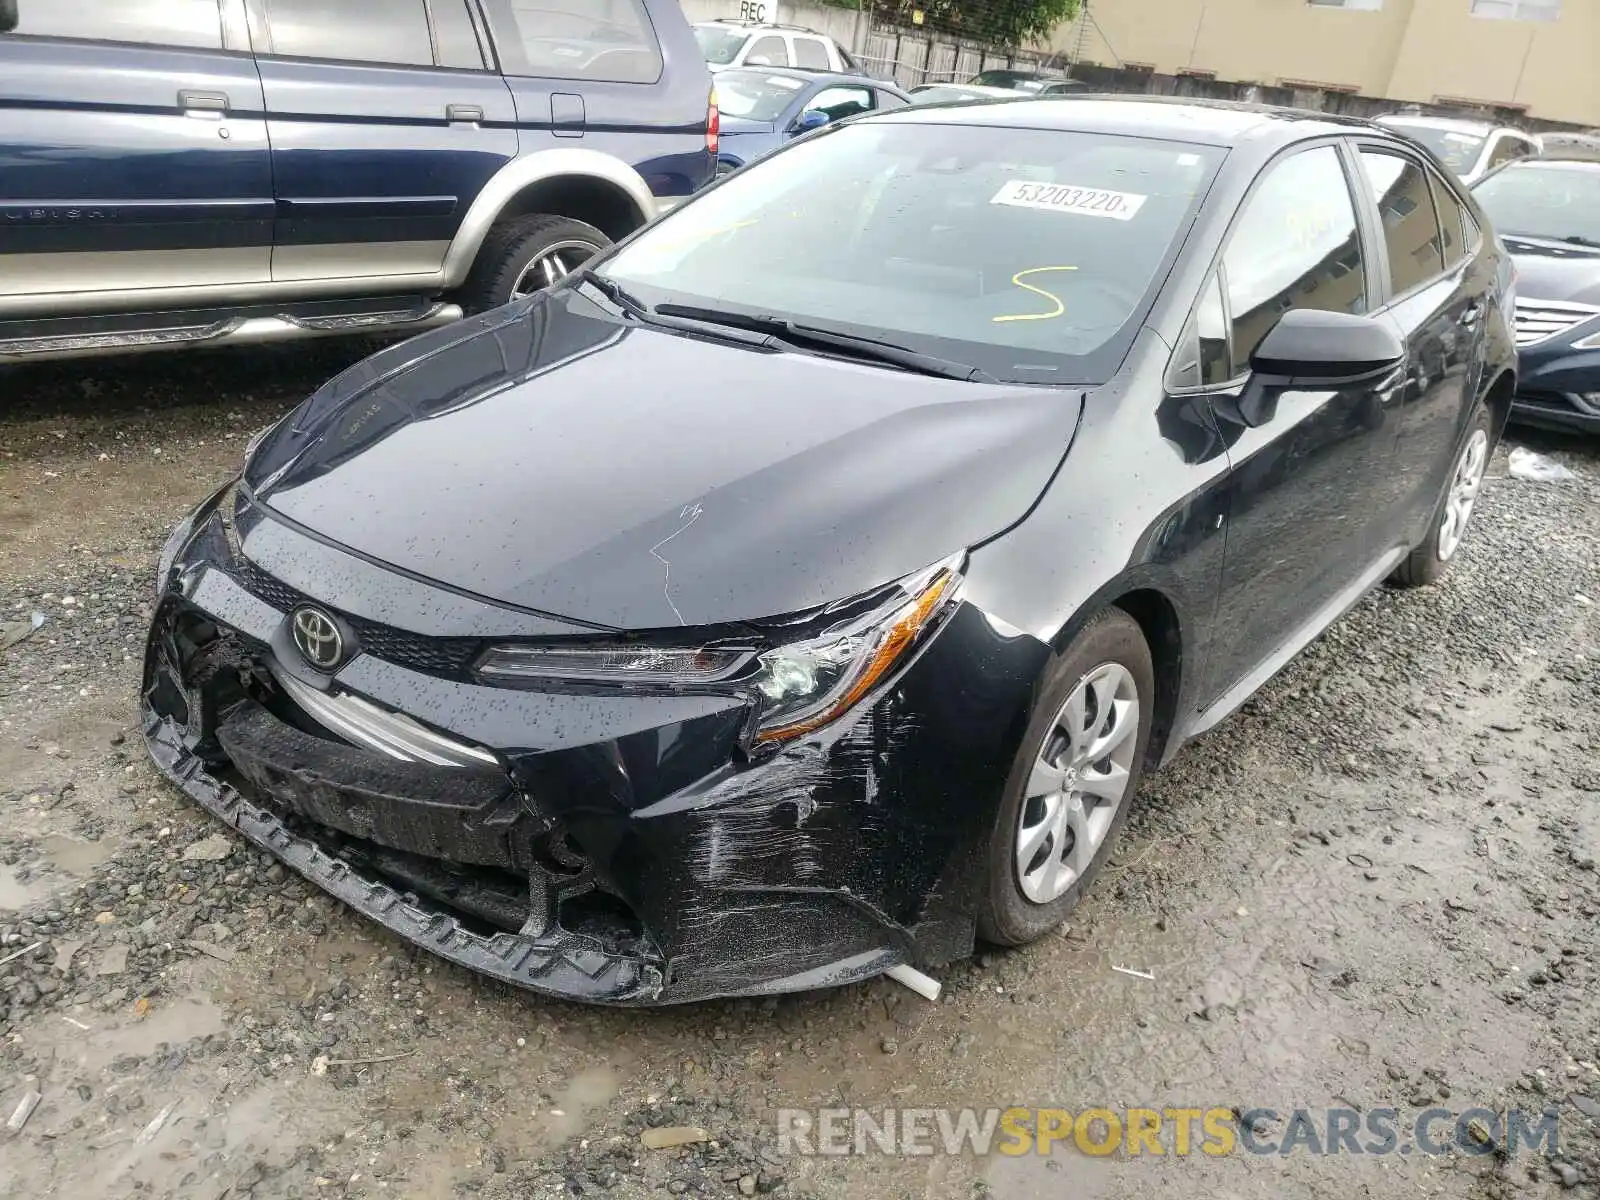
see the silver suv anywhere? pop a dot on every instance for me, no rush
(727, 44)
(1469, 148)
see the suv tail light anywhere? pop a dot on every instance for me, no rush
(713, 123)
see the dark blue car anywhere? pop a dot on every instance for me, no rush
(762, 108)
(1547, 212)
(182, 172)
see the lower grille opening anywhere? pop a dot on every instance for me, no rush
(491, 861)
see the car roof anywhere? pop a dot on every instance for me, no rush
(1023, 73)
(1452, 124)
(801, 73)
(977, 89)
(735, 23)
(1554, 162)
(1207, 122)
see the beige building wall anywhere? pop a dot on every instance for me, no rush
(1412, 50)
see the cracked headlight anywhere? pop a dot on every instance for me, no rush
(799, 686)
(805, 685)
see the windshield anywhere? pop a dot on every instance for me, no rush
(1457, 150)
(753, 96)
(1028, 254)
(719, 46)
(1547, 200)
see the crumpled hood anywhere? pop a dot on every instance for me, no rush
(547, 456)
(1556, 271)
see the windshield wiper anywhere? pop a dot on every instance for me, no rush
(614, 292)
(636, 308)
(851, 345)
(1546, 239)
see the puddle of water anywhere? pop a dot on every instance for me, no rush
(75, 857)
(174, 1024)
(66, 859)
(15, 894)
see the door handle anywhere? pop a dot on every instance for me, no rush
(210, 105)
(463, 114)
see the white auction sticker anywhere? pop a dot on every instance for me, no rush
(1062, 197)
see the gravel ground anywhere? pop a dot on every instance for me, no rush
(1375, 886)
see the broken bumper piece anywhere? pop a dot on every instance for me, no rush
(555, 962)
(613, 850)
(557, 965)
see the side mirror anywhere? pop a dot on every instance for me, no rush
(758, 60)
(812, 118)
(8, 15)
(1309, 348)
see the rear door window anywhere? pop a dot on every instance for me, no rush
(605, 40)
(811, 53)
(1294, 246)
(768, 51)
(191, 24)
(1410, 224)
(1456, 228)
(375, 31)
(454, 40)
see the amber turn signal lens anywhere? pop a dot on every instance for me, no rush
(898, 634)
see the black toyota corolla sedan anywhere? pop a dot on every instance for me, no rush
(801, 589)
(1547, 211)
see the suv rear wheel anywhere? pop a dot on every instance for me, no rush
(523, 255)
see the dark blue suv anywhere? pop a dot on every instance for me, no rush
(197, 172)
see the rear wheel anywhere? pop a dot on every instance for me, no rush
(523, 255)
(1072, 781)
(1429, 561)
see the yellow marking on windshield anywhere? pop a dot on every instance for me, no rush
(1028, 287)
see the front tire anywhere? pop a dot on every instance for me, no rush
(1429, 561)
(1071, 784)
(523, 255)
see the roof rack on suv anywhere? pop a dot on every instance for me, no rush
(763, 24)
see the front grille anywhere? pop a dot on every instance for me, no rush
(1538, 320)
(446, 657)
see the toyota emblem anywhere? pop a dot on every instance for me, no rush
(317, 636)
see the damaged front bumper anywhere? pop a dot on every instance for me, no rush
(613, 849)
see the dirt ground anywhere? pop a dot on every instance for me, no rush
(1375, 887)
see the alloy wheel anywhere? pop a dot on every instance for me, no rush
(552, 264)
(1078, 783)
(1463, 494)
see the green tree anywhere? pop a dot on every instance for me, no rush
(998, 22)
